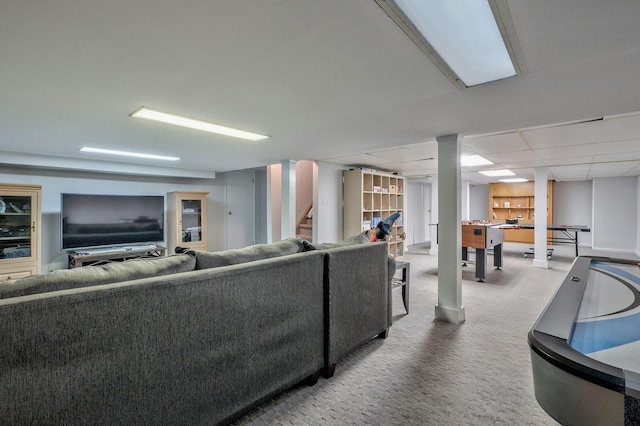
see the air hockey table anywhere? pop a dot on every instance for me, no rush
(585, 346)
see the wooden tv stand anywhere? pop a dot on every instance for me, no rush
(116, 254)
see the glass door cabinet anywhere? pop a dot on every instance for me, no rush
(187, 215)
(19, 231)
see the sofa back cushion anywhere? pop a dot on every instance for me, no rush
(95, 275)
(207, 259)
(361, 238)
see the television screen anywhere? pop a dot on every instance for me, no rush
(109, 220)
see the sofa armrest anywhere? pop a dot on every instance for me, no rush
(357, 294)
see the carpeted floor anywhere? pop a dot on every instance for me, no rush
(429, 372)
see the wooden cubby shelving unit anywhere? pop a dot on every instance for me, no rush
(517, 201)
(370, 196)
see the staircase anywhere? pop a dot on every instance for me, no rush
(304, 226)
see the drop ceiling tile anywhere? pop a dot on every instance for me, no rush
(620, 128)
(534, 162)
(567, 152)
(413, 165)
(425, 149)
(422, 144)
(604, 173)
(564, 161)
(472, 176)
(505, 142)
(349, 159)
(511, 157)
(403, 154)
(563, 135)
(477, 178)
(630, 145)
(609, 158)
(577, 168)
(525, 172)
(568, 171)
(619, 167)
(419, 174)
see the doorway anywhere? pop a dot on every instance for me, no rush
(240, 196)
(418, 212)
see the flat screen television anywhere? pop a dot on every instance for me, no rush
(110, 220)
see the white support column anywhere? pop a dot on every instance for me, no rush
(433, 221)
(540, 228)
(288, 213)
(449, 307)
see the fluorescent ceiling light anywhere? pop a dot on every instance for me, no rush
(128, 154)
(513, 180)
(462, 37)
(473, 160)
(494, 173)
(144, 112)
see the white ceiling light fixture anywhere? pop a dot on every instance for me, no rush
(471, 41)
(128, 154)
(514, 180)
(473, 160)
(150, 114)
(496, 173)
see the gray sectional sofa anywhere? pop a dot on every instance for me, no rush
(193, 338)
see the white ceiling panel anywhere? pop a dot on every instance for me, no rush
(620, 128)
(526, 172)
(604, 173)
(617, 147)
(506, 142)
(524, 164)
(427, 149)
(476, 177)
(513, 157)
(413, 165)
(580, 168)
(563, 135)
(402, 154)
(423, 172)
(613, 158)
(565, 152)
(577, 172)
(351, 159)
(619, 167)
(560, 161)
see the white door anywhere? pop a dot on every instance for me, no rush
(240, 194)
(418, 206)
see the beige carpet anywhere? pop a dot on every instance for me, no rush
(429, 372)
